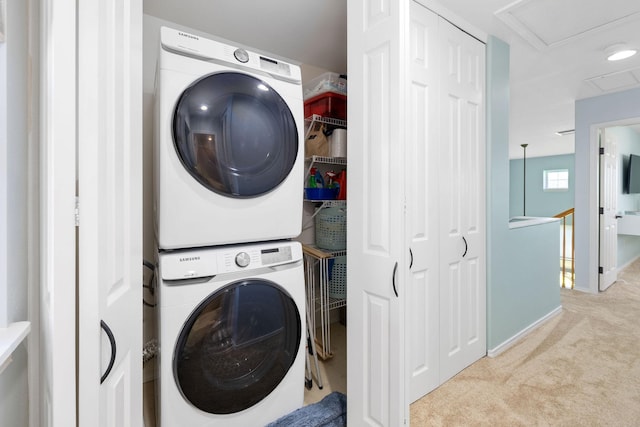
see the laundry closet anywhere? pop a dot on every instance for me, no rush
(229, 282)
(400, 269)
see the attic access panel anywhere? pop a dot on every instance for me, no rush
(569, 20)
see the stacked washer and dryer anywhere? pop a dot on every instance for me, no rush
(228, 180)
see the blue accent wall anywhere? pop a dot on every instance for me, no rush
(540, 202)
(523, 272)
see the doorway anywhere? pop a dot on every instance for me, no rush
(619, 108)
(616, 143)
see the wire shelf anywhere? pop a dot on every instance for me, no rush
(316, 265)
(315, 118)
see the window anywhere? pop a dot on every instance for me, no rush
(556, 180)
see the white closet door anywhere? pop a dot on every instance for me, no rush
(110, 223)
(609, 210)
(376, 373)
(462, 197)
(423, 300)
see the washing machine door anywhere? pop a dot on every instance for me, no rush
(235, 134)
(237, 346)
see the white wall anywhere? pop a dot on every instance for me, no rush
(4, 181)
(14, 404)
(14, 139)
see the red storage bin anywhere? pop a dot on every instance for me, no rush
(328, 104)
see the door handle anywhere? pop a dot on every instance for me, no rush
(112, 342)
(410, 262)
(466, 246)
(618, 216)
(393, 279)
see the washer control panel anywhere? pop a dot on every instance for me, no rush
(205, 262)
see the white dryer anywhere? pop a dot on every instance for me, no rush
(231, 343)
(228, 144)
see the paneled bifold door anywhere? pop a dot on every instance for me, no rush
(445, 202)
(416, 218)
(110, 213)
(376, 369)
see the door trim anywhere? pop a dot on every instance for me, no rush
(57, 125)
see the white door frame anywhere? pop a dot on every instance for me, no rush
(57, 305)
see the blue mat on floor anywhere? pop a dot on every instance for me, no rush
(329, 412)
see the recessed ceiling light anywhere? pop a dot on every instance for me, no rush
(619, 51)
(565, 132)
(623, 54)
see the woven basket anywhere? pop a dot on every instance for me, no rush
(331, 229)
(338, 281)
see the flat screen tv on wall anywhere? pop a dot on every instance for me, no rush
(633, 174)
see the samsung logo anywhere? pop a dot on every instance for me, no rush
(191, 36)
(189, 258)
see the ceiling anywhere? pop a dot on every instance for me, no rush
(557, 48)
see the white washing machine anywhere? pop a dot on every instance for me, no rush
(231, 343)
(228, 144)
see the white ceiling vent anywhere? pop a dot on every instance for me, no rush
(616, 81)
(533, 20)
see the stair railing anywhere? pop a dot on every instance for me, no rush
(563, 217)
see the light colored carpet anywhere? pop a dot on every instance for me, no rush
(581, 368)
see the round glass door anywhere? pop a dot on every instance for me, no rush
(237, 346)
(235, 135)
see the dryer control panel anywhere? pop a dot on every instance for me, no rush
(205, 262)
(215, 50)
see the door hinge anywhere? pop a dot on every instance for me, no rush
(600, 270)
(601, 151)
(601, 211)
(76, 211)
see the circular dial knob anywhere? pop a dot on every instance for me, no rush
(242, 259)
(241, 55)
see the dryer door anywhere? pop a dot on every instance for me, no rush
(237, 346)
(235, 134)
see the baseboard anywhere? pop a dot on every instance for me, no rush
(526, 331)
(622, 267)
